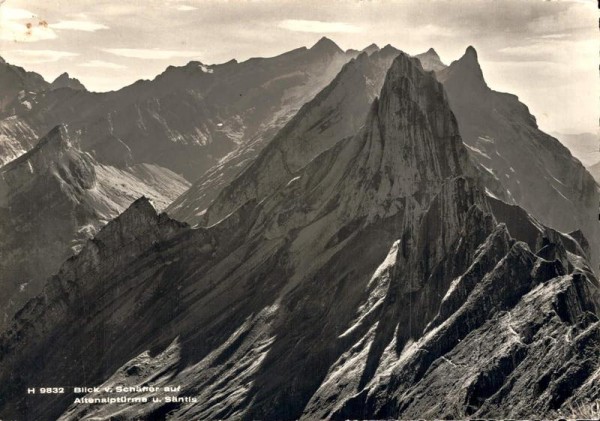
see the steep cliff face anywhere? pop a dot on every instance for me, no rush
(521, 346)
(482, 335)
(329, 117)
(517, 162)
(536, 170)
(335, 113)
(377, 263)
(54, 198)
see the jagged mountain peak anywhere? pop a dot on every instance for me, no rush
(181, 76)
(58, 135)
(387, 123)
(389, 48)
(326, 45)
(432, 52)
(15, 85)
(63, 75)
(2, 61)
(471, 52)
(57, 156)
(430, 60)
(403, 65)
(467, 71)
(141, 206)
(370, 49)
(411, 97)
(534, 169)
(470, 62)
(136, 223)
(64, 80)
(361, 57)
(57, 153)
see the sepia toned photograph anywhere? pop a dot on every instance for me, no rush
(299, 210)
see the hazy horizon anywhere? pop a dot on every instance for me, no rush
(545, 52)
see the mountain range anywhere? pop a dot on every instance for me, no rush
(142, 140)
(520, 163)
(186, 119)
(380, 237)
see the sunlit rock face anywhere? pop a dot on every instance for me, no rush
(336, 112)
(372, 281)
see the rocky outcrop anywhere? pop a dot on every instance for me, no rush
(376, 273)
(309, 133)
(536, 171)
(515, 330)
(54, 198)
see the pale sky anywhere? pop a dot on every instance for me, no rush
(546, 52)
